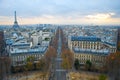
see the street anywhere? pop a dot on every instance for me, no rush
(60, 74)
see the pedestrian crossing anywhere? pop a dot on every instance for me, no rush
(60, 70)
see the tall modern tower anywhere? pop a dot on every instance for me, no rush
(15, 26)
(4, 59)
(2, 44)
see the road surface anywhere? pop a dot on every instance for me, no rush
(60, 74)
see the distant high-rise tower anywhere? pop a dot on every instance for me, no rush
(2, 44)
(15, 26)
(118, 39)
(4, 58)
(119, 34)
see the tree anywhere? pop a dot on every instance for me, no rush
(50, 54)
(30, 62)
(54, 41)
(63, 47)
(29, 66)
(102, 77)
(68, 59)
(41, 64)
(30, 59)
(17, 69)
(76, 64)
(47, 39)
(113, 65)
(119, 45)
(4, 67)
(38, 66)
(66, 64)
(88, 65)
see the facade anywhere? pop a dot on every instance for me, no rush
(111, 47)
(90, 48)
(19, 55)
(97, 58)
(36, 39)
(86, 42)
(41, 38)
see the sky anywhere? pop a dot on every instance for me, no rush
(100, 12)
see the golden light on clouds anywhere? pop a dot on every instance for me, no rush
(99, 18)
(103, 18)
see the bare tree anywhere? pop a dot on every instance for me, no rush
(4, 67)
(50, 54)
(113, 65)
(68, 59)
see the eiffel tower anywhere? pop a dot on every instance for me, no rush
(15, 26)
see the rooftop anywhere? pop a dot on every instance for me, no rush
(28, 51)
(89, 51)
(85, 38)
(112, 44)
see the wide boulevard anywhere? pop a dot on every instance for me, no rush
(60, 74)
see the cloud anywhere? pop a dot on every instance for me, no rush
(6, 19)
(57, 7)
(56, 19)
(103, 18)
(100, 16)
(60, 11)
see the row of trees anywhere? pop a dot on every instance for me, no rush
(54, 41)
(64, 41)
(88, 65)
(118, 45)
(113, 65)
(50, 55)
(30, 65)
(67, 55)
(68, 60)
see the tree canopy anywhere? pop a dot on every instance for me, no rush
(76, 64)
(68, 59)
(88, 64)
(113, 65)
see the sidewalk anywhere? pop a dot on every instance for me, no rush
(30, 76)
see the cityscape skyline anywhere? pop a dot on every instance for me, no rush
(59, 40)
(60, 12)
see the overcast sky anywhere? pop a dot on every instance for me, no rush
(60, 11)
